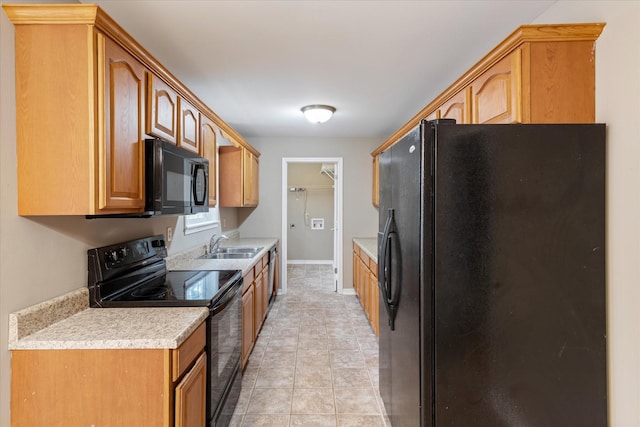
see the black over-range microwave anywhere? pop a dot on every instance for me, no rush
(176, 180)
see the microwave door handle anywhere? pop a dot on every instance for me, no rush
(196, 174)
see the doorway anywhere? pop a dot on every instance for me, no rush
(334, 167)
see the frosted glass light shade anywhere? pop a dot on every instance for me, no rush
(318, 113)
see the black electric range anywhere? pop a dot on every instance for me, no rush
(134, 274)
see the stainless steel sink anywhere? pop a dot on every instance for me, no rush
(238, 250)
(224, 255)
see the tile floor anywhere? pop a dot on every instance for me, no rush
(315, 362)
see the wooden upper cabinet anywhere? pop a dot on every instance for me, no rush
(239, 175)
(496, 94)
(375, 198)
(538, 74)
(82, 114)
(457, 108)
(189, 127)
(78, 123)
(162, 115)
(435, 114)
(250, 182)
(121, 80)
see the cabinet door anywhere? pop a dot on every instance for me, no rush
(162, 114)
(189, 126)
(230, 173)
(433, 115)
(496, 95)
(255, 180)
(457, 108)
(375, 187)
(257, 304)
(265, 291)
(374, 310)
(365, 288)
(191, 396)
(209, 151)
(121, 153)
(250, 178)
(354, 268)
(247, 324)
(276, 274)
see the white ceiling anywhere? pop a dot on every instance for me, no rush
(256, 63)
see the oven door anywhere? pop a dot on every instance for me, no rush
(224, 349)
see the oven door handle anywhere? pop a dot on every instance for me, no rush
(226, 299)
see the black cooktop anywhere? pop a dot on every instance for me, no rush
(176, 288)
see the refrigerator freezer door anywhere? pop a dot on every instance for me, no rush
(405, 362)
(520, 274)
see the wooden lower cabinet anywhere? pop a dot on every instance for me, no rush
(255, 305)
(110, 387)
(190, 393)
(248, 335)
(365, 284)
(258, 304)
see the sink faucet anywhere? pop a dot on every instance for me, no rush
(214, 242)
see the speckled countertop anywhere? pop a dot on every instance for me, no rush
(369, 245)
(111, 328)
(67, 322)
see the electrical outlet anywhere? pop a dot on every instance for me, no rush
(169, 234)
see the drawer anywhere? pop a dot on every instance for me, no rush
(265, 260)
(183, 356)
(257, 268)
(373, 267)
(247, 280)
(365, 258)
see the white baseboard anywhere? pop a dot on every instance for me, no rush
(348, 291)
(310, 261)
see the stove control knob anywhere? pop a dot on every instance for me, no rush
(122, 253)
(111, 256)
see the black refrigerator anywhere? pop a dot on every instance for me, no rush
(491, 255)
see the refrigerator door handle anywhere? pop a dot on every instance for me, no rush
(388, 268)
(382, 266)
(394, 282)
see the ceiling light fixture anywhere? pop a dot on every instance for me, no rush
(318, 113)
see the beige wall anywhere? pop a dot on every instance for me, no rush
(360, 218)
(618, 105)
